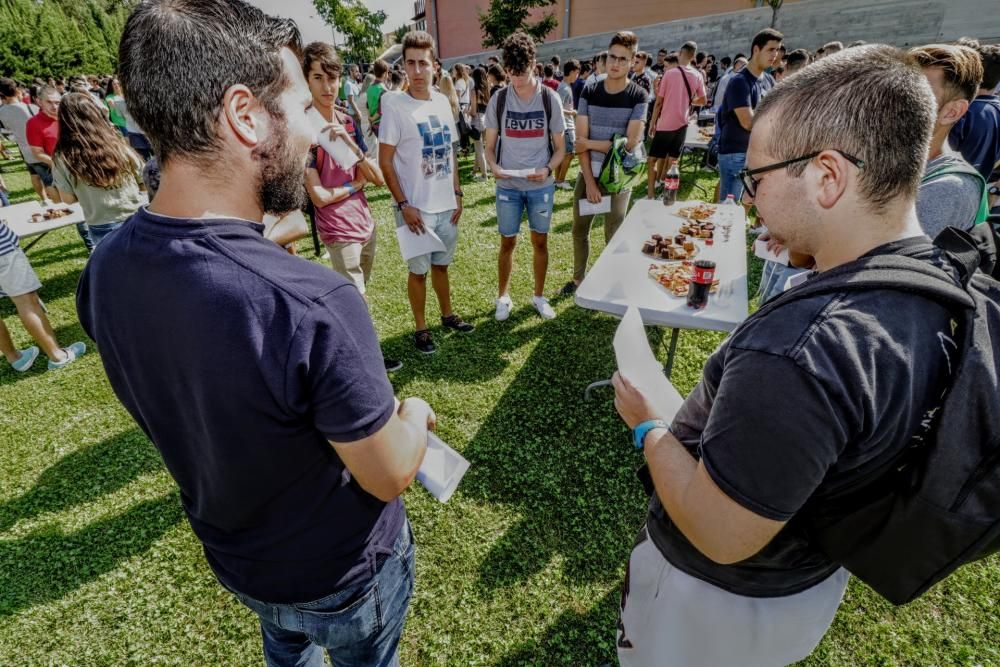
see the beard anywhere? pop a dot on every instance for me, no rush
(281, 179)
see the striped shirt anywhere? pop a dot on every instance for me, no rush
(8, 240)
(609, 114)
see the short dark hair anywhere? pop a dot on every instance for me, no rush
(326, 56)
(689, 48)
(571, 66)
(644, 56)
(585, 67)
(726, 61)
(395, 77)
(601, 57)
(961, 66)
(7, 87)
(872, 102)
(672, 59)
(989, 54)
(663, 51)
(497, 73)
(762, 38)
(549, 71)
(625, 38)
(518, 52)
(420, 40)
(226, 42)
(797, 59)
(555, 60)
(379, 68)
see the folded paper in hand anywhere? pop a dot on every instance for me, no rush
(639, 366)
(517, 173)
(760, 249)
(442, 469)
(336, 148)
(413, 245)
(604, 206)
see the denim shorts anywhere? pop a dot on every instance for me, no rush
(512, 204)
(42, 171)
(570, 137)
(440, 224)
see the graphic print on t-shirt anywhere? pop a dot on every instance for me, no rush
(436, 154)
(524, 124)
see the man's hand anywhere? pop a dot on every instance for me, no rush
(337, 131)
(631, 404)
(772, 245)
(540, 174)
(417, 412)
(411, 216)
(652, 131)
(497, 172)
(581, 145)
(593, 193)
(458, 212)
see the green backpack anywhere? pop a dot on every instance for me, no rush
(621, 170)
(964, 168)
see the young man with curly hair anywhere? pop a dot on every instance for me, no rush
(532, 137)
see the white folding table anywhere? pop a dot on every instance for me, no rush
(620, 278)
(18, 218)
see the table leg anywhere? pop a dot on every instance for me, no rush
(594, 385)
(668, 367)
(34, 241)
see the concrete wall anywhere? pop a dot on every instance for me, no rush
(807, 24)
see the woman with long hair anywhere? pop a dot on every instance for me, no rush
(478, 101)
(447, 88)
(93, 164)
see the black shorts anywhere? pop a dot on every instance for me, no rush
(668, 144)
(42, 171)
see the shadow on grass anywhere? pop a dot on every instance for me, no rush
(572, 633)
(83, 476)
(43, 256)
(49, 564)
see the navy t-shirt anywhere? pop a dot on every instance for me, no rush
(854, 373)
(977, 134)
(240, 362)
(744, 90)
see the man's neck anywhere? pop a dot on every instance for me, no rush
(528, 90)
(754, 68)
(984, 92)
(939, 141)
(894, 224)
(424, 94)
(10, 100)
(613, 86)
(188, 192)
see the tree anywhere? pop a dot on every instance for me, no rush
(360, 26)
(775, 5)
(400, 33)
(507, 16)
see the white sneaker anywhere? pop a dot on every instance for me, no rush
(541, 304)
(73, 352)
(563, 185)
(504, 306)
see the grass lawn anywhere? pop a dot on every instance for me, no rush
(98, 565)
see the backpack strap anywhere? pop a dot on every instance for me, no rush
(501, 107)
(547, 107)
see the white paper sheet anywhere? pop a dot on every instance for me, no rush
(336, 148)
(442, 469)
(413, 245)
(638, 364)
(586, 208)
(760, 249)
(796, 280)
(517, 173)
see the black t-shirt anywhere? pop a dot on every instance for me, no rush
(743, 90)
(240, 362)
(798, 405)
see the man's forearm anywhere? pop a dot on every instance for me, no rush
(42, 156)
(391, 181)
(586, 168)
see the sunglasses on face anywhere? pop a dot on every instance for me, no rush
(750, 179)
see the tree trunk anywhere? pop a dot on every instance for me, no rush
(774, 15)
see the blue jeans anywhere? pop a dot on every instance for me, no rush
(513, 204)
(4, 201)
(440, 224)
(84, 232)
(773, 279)
(98, 232)
(730, 166)
(357, 626)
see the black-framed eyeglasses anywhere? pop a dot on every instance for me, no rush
(750, 183)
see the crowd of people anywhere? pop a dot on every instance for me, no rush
(844, 153)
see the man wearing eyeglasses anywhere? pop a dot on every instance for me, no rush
(725, 571)
(735, 117)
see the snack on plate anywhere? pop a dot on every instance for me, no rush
(55, 213)
(701, 212)
(677, 248)
(676, 277)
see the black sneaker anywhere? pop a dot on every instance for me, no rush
(392, 364)
(568, 288)
(425, 342)
(455, 322)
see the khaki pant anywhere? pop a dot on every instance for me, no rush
(353, 260)
(582, 224)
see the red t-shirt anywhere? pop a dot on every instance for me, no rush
(42, 130)
(551, 83)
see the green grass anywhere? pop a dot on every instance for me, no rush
(522, 567)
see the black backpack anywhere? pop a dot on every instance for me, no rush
(936, 505)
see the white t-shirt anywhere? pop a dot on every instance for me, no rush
(15, 118)
(422, 132)
(462, 90)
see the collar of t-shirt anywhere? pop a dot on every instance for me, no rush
(165, 225)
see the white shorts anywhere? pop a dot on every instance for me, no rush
(16, 275)
(671, 619)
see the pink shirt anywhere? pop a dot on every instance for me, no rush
(676, 102)
(348, 220)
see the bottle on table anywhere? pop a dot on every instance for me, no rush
(671, 184)
(701, 283)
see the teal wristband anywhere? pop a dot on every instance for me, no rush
(350, 189)
(640, 431)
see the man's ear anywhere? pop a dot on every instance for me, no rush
(831, 171)
(238, 106)
(953, 111)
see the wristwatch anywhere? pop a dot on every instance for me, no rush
(640, 431)
(401, 205)
(459, 194)
(993, 191)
